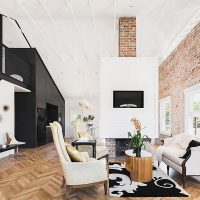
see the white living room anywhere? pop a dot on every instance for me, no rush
(99, 99)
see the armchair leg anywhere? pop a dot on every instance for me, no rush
(106, 187)
(184, 179)
(167, 170)
(63, 182)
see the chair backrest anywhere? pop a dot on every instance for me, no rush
(79, 126)
(59, 141)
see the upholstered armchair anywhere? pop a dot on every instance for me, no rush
(174, 148)
(101, 150)
(78, 174)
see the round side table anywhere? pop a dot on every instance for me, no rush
(140, 168)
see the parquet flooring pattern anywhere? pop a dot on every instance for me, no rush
(38, 176)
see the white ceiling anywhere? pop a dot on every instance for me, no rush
(71, 36)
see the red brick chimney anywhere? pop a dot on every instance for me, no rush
(127, 37)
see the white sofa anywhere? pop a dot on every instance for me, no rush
(175, 147)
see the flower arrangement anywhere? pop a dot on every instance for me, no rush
(137, 140)
(88, 119)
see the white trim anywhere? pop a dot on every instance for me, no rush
(161, 101)
(187, 94)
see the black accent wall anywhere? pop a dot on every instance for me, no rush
(30, 108)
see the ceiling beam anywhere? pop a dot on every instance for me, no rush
(95, 26)
(77, 26)
(114, 27)
(59, 40)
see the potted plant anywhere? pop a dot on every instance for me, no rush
(137, 140)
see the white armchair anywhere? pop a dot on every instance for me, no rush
(78, 174)
(101, 150)
(16, 142)
(175, 147)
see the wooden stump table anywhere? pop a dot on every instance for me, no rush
(140, 168)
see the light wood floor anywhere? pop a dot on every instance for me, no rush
(38, 176)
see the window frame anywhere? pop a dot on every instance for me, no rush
(188, 92)
(162, 102)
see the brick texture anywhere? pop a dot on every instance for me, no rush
(180, 70)
(127, 36)
(110, 144)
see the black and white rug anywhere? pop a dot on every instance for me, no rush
(161, 185)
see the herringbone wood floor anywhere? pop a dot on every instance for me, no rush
(38, 176)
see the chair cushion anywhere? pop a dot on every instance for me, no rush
(85, 134)
(90, 159)
(173, 153)
(74, 155)
(173, 158)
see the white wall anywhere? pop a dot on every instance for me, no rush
(7, 123)
(128, 74)
(72, 103)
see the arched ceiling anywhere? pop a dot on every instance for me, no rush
(72, 35)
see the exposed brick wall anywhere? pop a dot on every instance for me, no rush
(180, 70)
(127, 36)
(110, 144)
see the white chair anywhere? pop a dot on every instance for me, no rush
(78, 174)
(175, 147)
(15, 142)
(101, 150)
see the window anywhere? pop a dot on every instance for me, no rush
(165, 116)
(192, 110)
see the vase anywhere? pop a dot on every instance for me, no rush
(138, 151)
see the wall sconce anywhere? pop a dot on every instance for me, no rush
(6, 108)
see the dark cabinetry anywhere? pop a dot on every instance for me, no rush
(31, 109)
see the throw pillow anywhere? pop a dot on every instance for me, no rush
(193, 143)
(85, 134)
(180, 143)
(74, 155)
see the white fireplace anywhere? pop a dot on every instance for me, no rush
(128, 74)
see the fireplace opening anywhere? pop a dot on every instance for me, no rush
(122, 144)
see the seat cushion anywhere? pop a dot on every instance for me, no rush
(85, 134)
(74, 155)
(90, 159)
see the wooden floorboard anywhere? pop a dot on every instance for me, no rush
(38, 176)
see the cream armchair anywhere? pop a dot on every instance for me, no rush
(175, 147)
(78, 174)
(101, 150)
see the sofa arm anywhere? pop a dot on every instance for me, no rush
(78, 173)
(195, 148)
(192, 164)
